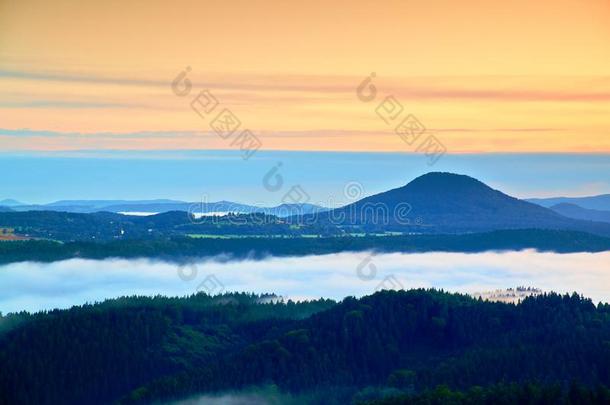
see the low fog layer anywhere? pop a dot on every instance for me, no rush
(253, 396)
(35, 286)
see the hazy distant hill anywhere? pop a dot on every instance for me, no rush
(597, 202)
(575, 211)
(161, 206)
(286, 210)
(451, 203)
(10, 203)
(107, 203)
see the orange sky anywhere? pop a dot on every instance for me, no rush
(483, 76)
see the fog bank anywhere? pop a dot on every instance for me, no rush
(36, 286)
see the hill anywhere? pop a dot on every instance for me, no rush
(450, 203)
(182, 249)
(10, 203)
(596, 202)
(162, 206)
(435, 203)
(577, 212)
(144, 350)
(106, 226)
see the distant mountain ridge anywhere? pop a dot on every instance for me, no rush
(578, 212)
(105, 203)
(596, 202)
(164, 205)
(10, 203)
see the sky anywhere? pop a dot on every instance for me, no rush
(480, 76)
(325, 177)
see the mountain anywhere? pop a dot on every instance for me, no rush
(287, 210)
(450, 203)
(106, 226)
(577, 212)
(434, 203)
(107, 203)
(80, 209)
(5, 209)
(10, 203)
(90, 206)
(597, 202)
(161, 206)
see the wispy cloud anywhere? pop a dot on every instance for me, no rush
(469, 90)
(65, 104)
(26, 132)
(304, 112)
(77, 78)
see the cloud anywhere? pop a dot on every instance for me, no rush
(26, 132)
(455, 88)
(36, 286)
(502, 95)
(65, 104)
(177, 134)
(266, 395)
(71, 77)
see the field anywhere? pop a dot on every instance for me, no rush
(231, 236)
(8, 234)
(307, 236)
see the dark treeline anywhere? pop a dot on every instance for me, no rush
(97, 353)
(504, 394)
(183, 249)
(398, 344)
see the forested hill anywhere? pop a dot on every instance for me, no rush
(141, 350)
(95, 354)
(181, 249)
